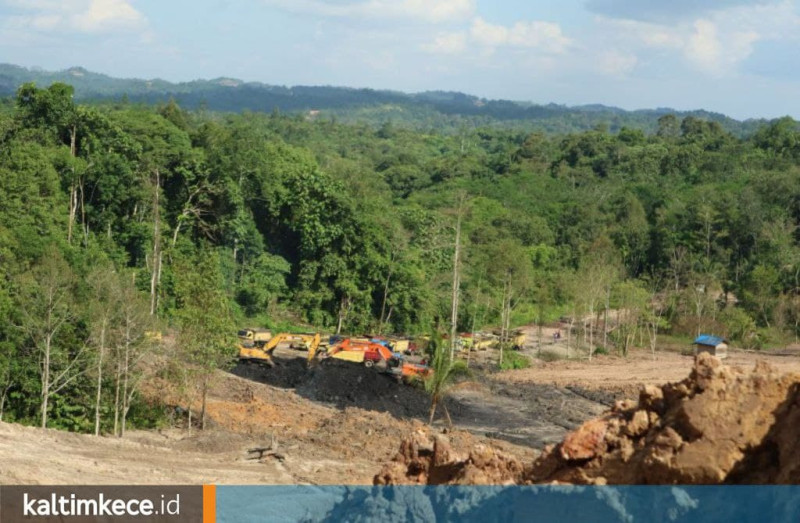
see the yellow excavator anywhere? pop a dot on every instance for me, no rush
(257, 337)
(263, 354)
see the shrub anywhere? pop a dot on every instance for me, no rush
(515, 360)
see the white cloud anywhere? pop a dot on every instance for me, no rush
(105, 15)
(546, 36)
(715, 44)
(433, 11)
(86, 16)
(617, 63)
(50, 5)
(660, 11)
(447, 43)
(483, 38)
(703, 46)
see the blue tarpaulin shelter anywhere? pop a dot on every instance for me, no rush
(712, 344)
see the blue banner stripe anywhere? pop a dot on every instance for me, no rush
(687, 504)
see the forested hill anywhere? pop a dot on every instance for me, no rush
(120, 219)
(429, 110)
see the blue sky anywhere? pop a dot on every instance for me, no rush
(732, 56)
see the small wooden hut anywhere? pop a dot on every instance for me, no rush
(713, 345)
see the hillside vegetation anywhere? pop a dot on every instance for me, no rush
(119, 220)
(449, 112)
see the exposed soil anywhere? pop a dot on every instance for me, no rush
(529, 414)
(722, 424)
(32, 456)
(340, 383)
(617, 377)
(339, 422)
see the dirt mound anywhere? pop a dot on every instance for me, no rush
(425, 460)
(345, 384)
(341, 383)
(528, 414)
(286, 373)
(719, 425)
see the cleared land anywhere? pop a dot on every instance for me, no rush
(337, 423)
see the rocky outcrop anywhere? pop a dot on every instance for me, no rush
(720, 425)
(712, 427)
(425, 460)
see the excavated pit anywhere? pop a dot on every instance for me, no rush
(341, 383)
(533, 415)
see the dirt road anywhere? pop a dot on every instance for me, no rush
(624, 376)
(32, 456)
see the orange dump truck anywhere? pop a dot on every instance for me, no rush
(360, 351)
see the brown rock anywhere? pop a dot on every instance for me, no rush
(651, 398)
(481, 455)
(586, 442)
(668, 438)
(623, 405)
(638, 424)
(720, 425)
(626, 449)
(442, 453)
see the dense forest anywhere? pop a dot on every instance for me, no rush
(444, 112)
(120, 221)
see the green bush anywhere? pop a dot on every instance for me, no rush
(514, 360)
(741, 327)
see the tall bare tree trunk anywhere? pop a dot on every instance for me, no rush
(155, 277)
(84, 223)
(591, 328)
(99, 379)
(474, 324)
(344, 309)
(385, 296)
(116, 397)
(3, 397)
(605, 317)
(73, 194)
(569, 331)
(456, 282)
(505, 313)
(125, 375)
(73, 204)
(203, 405)
(46, 380)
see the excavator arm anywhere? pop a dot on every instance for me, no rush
(264, 353)
(313, 345)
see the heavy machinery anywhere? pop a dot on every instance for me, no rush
(254, 337)
(408, 372)
(263, 353)
(400, 345)
(518, 340)
(359, 351)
